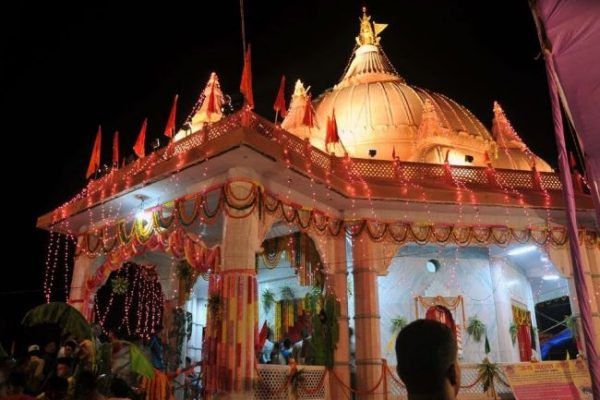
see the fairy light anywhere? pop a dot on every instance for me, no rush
(68, 240)
(53, 268)
(48, 270)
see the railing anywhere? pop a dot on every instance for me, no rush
(377, 170)
(274, 382)
(471, 385)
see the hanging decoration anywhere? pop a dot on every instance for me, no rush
(119, 285)
(183, 212)
(132, 303)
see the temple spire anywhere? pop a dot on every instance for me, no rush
(502, 130)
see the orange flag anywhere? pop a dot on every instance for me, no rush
(95, 158)
(246, 83)
(140, 144)
(115, 159)
(210, 107)
(332, 131)
(309, 117)
(170, 128)
(279, 105)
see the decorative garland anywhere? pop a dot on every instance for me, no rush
(179, 243)
(106, 239)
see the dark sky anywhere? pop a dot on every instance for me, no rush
(66, 69)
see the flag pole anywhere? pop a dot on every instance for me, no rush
(243, 29)
(276, 115)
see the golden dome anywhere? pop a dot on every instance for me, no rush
(376, 110)
(378, 114)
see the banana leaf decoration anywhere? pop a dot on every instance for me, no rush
(62, 314)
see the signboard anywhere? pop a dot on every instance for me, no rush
(557, 380)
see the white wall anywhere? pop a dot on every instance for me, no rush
(463, 271)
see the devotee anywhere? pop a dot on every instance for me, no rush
(265, 354)
(428, 361)
(286, 351)
(276, 356)
(34, 368)
(49, 356)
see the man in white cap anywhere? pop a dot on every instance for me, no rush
(35, 368)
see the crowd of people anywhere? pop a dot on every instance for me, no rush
(280, 353)
(75, 371)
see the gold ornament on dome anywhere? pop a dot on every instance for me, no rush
(369, 33)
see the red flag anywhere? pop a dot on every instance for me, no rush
(170, 128)
(394, 153)
(95, 158)
(486, 158)
(140, 144)
(309, 117)
(246, 83)
(279, 105)
(210, 107)
(332, 131)
(262, 336)
(115, 159)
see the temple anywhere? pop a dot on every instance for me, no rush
(415, 209)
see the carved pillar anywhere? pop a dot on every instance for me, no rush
(237, 310)
(367, 258)
(333, 253)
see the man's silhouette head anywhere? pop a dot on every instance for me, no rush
(427, 359)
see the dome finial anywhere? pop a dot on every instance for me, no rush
(369, 33)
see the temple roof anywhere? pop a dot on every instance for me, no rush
(376, 110)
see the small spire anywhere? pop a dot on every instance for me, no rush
(502, 130)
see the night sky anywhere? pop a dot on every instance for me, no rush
(67, 69)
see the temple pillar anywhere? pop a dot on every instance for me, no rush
(233, 306)
(502, 300)
(367, 256)
(84, 268)
(333, 254)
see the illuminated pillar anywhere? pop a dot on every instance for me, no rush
(83, 269)
(366, 260)
(238, 308)
(334, 257)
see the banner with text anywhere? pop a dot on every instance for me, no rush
(557, 380)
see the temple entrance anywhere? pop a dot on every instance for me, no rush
(290, 291)
(479, 292)
(130, 304)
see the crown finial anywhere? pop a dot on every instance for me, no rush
(369, 32)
